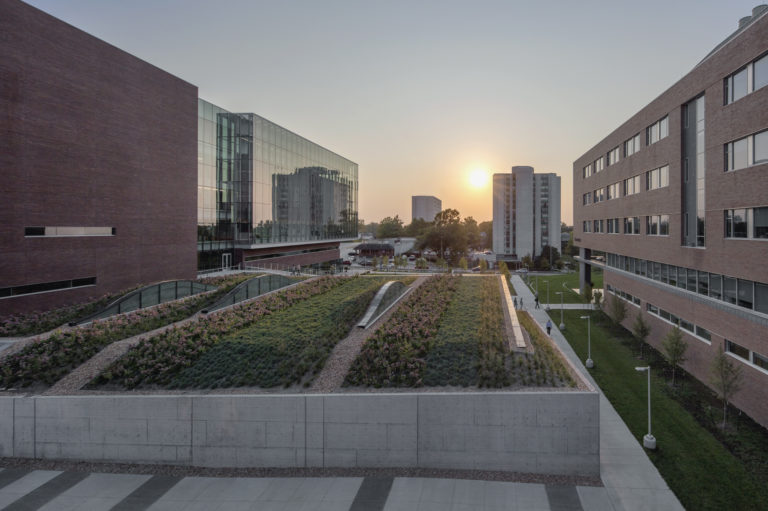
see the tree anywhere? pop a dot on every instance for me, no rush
(617, 310)
(417, 228)
(390, 228)
(374, 262)
(463, 263)
(447, 236)
(472, 232)
(504, 269)
(385, 261)
(550, 256)
(483, 265)
(587, 294)
(726, 377)
(597, 296)
(527, 262)
(486, 233)
(421, 264)
(674, 349)
(642, 330)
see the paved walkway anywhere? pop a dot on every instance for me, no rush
(52, 490)
(632, 481)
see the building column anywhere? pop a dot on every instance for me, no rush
(585, 269)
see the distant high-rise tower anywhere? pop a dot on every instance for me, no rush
(526, 213)
(425, 207)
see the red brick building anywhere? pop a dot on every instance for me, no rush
(98, 157)
(677, 198)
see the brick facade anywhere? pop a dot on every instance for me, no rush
(743, 188)
(91, 136)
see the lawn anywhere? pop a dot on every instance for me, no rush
(566, 283)
(696, 466)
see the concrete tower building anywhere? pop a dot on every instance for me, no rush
(526, 213)
(425, 207)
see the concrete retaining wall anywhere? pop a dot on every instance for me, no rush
(541, 432)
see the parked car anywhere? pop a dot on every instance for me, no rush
(476, 269)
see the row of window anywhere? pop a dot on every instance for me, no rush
(655, 225)
(695, 330)
(653, 133)
(744, 293)
(746, 355)
(746, 80)
(745, 152)
(654, 179)
(69, 231)
(44, 287)
(746, 223)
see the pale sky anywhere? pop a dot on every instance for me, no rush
(420, 93)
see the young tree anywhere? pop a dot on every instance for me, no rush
(421, 264)
(674, 349)
(486, 233)
(483, 265)
(726, 377)
(374, 262)
(463, 263)
(617, 309)
(597, 296)
(385, 261)
(390, 228)
(504, 270)
(642, 330)
(587, 294)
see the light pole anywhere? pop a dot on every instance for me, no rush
(562, 324)
(649, 441)
(589, 362)
(548, 307)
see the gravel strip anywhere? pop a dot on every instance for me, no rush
(188, 471)
(344, 353)
(19, 343)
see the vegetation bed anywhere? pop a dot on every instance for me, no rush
(48, 360)
(565, 283)
(705, 468)
(159, 359)
(287, 347)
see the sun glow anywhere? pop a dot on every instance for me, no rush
(478, 178)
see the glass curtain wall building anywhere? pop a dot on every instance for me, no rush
(262, 186)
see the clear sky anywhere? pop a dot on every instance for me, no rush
(421, 93)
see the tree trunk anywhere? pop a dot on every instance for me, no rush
(725, 409)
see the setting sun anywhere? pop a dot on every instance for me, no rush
(478, 178)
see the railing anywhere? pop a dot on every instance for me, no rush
(148, 296)
(251, 288)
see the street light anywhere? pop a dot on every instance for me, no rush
(562, 324)
(548, 307)
(589, 362)
(649, 441)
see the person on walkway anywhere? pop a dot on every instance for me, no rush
(536, 299)
(521, 303)
(549, 327)
(515, 303)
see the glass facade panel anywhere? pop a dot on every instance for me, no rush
(761, 147)
(739, 87)
(746, 293)
(729, 289)
(716, 286)
(703, 283)
(761, 72)
(739, 351)
(761, 297)
(261, 184)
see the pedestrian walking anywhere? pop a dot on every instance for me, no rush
(536, 299)
(521, 303)
(549, 326)
(515, 303)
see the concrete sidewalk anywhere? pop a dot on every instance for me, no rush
(631, 480)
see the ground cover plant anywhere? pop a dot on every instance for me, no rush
(32, 323)
(706, 467)
(287, 347)
(394, 355)
(48, 360)
(157, 360)
(544, 367)
(565, 283)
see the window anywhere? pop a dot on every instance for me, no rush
(657, 131)
(44, 287)
(745, 152)
(703, 333)
(735, 86)
(632, 146)
(746, 80)
(599, 164)
(632, 185)
(729, 289)
(587, 171)
(69, 231)
(657, 178)
(632, 225)
(598, 195)
(739, 351)
(613, 191)
(587, 226)
(612, 225)
(746, 292)
(746, 223)
(613, 155)
(657, 225)
(598, 226)
(587, 199)
(759, 360)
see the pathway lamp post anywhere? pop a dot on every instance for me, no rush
(548, 307)
(649, 441)
(589, 362)
(562, 323)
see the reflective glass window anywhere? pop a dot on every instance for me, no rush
(761, 147)
(761, 297)
(739, 351)
(729, 289)
(715, 286)
(760, 72)
(703, 283)
(760, 221)
(740, 156)
(746, 293)
(691, 280)
(760, 360)
(739, 85)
